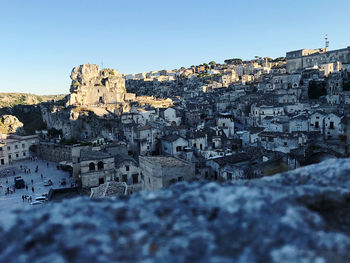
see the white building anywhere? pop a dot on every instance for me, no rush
(14, 147)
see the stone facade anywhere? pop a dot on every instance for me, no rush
(162, 171)
(95, 168)
(54, 152)
(308, 58)
(15, 148)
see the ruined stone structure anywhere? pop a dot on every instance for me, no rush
(92, 86)
(308, 58)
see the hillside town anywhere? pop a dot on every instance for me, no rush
(118, 134)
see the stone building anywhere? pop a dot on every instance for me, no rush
(173, 145)
(95, 168)
(92, 86)
(302, 59)
(226, 123)
(162, 171)
(15, 148)
(127, 171)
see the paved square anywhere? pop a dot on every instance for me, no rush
(9, 172)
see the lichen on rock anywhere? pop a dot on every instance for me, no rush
(10, 124)
(92, 86)
(276, 219)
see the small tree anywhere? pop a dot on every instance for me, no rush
(212, 64)
(346, 86)
(316, 89)
(234, 61)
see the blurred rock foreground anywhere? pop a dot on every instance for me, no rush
(298, 216)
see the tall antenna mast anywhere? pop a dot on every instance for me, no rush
(327, 41)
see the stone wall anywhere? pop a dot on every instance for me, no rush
(54, 152)
(298, 216)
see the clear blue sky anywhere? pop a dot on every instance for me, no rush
(41, 40)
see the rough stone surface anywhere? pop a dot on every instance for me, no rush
(298, 216)
(10, 124)
(91, 86)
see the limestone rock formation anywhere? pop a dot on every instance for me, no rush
(298, 216)
(92, 86)
(12, 99)
(10, 124)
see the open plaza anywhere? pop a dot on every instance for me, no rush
(39, 177)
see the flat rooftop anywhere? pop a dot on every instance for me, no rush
(166, 161)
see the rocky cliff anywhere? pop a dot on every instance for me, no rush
(10, 124)
(298, 216)
(92, 86)
(29, 115)
(12, 99)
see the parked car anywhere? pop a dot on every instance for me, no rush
(40, 198)
(48, 183)
(19, 182)
(36, 203)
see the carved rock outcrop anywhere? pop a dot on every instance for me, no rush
(10, 124)
(92, 86)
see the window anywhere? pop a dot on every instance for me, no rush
(16, 146)
(201, 146)
(24, 153)
(101, 181)
(229, 176)
(8, 148)
(91, 166)
(285, 143)
(10, 156)
(100, 165)
(135, 178)
(127, 168)
(2, 161)
(23, 145)
(180, 179)
(178, 148)
(331, 125)
(125, 178)
(317, 125)
(0, 148)
(194, 145)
